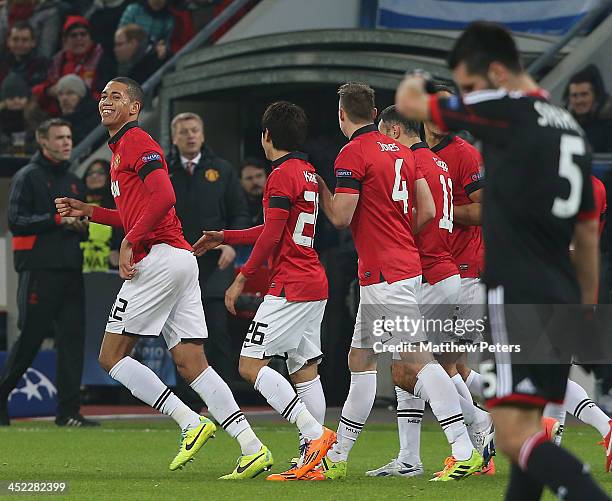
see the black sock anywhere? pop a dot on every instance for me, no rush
(562, 473)
(522, 487)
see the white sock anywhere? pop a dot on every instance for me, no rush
(435, 386)
(465, 400)
(474, 383)
(221, 404)
(355, 412)
(146, 386)
(409, 416)
(556, 411)
(311, 393)
(578, 403)
(283, 399)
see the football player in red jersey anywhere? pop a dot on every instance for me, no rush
(437, 300)
(378, 184)
(288, 322)
(465, 169)
(161, 293)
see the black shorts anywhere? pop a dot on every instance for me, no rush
(532, 359)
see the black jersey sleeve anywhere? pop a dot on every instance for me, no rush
(488, 115)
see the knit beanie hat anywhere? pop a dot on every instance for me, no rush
(14, 86)
(72, 83)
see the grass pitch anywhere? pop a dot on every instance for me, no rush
(129, 460)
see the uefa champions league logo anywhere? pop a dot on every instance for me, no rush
(33, 382)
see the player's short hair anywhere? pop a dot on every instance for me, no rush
(390, 115)
(483, 43)
(24, 25)
(181, 117)
(287, 125)
(134, 90)
(357, 101)
(42, 131)
(133, 31)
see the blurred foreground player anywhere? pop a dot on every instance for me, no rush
(537, 198)
(288, 322)
(161, 293)
(378, 185)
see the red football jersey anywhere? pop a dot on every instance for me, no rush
(135, 154)
(295, 270)
(383, 173)
(433, 241)
(599, 197)
(464, 166)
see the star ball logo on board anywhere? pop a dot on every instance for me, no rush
(35, 381)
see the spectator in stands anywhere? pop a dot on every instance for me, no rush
(136, 57)
(19, 117)
(104, 16)
(208, 196)
(43, 15)
(101, 250)
(588, 101)
(81, 56)
(154, 16)
(253, 179)
(77, 106)
(21, 57)
(48, 258)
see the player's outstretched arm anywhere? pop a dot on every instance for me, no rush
(424, 204)
(340, 207)
(276, 220)
(586, 258)
(71, 207)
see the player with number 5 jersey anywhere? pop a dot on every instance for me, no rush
(288, 322)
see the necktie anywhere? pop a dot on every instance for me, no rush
(190, 166)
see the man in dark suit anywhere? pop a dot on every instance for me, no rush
(208, 196)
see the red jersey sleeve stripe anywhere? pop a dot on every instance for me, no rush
(350, 191)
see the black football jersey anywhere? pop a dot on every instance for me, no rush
(537, 185)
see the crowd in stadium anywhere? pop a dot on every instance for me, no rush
(57, 56)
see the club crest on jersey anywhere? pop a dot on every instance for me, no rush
(212, 175)
(150, 157)
(116, 161)
(388, 146)
(344, 173)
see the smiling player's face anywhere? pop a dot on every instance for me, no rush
(115, 106)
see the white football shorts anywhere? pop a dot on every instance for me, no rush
(163, 298)
(388, 314)
(286, 329)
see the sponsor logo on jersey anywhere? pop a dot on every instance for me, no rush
(310, 177)
(116, 161)
(150, 157)
(212, 175)
(388, 146)
(344, 173)
(115, 188)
